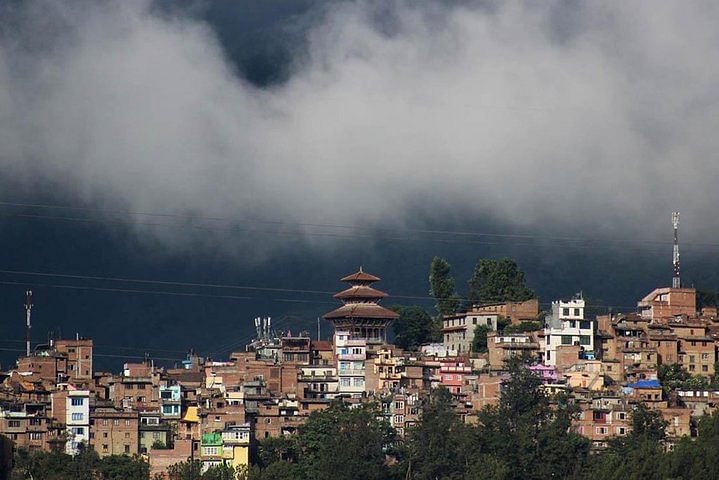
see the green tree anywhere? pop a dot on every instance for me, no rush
(479, 342)
(414, 327)
(528, 434)
(342, 443)
(437, 447)
(442, 287)
(498, 281)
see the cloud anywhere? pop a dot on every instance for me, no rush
(594, 118)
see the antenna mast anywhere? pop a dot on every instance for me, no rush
(676, 280)
(28, 310)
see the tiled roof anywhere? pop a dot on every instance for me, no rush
(360, 291)
(361, 310)
(360, 276)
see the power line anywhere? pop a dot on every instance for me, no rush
(106, 355)
(220, 286)
(595, 243)
(119, 347)
(156, 292)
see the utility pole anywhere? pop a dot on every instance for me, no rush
(318, 329)
(28, 310)
(676, 280)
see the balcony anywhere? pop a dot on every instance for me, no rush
(351, 372)
(324, 377)
(351, 356)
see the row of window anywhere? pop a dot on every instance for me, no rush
(357, 381)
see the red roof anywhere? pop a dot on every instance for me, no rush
(360, 291)
(360, 276)
(362, 310)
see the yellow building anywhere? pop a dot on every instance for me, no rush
(236, 442)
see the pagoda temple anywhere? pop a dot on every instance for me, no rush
(361, 315)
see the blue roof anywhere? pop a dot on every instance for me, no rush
(646, 384)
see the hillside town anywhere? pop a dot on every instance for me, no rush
(215, 411)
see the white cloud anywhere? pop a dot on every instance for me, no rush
(592, 117)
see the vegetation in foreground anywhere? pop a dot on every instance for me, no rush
(526, 436)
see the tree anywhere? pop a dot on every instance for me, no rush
(442, 287)
(479, 342)
(437, 447)
(414, 327)
(340, 442)
(498, 281)
(86, 465)
(527, 434)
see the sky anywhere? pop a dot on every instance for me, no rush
(282, 143)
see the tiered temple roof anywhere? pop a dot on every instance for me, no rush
(361, 314)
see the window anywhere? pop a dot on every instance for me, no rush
(104, 447)
(35, 436)
(566, 339)
(585, 340)
(35, 421)
(104, 434)
(78, 430)
(105, 422)
(585, 325)
(565, 312)
(77, 402)
(705, 356)
(576, 312)
(127, 434)
(116, 422)
(13, 423)
(705, 368)
(127, 423)
(76, 417)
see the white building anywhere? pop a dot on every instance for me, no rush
(351, 356)
(567, 326)
(458, 330)
(77, 419)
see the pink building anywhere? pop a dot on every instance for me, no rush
(547, 373)
(452, 372)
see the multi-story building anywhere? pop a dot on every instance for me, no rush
(458, 330)
(567, 326)
(153, 432)
(72, 407)
(452, 372)
(170, 401)
(211, 451)
(114, 432)
(29, 426)
(236, 443)
(318, 381)
(662, 303)
(516, 312)
(351, 355)
(502, 347)
(79, 357)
